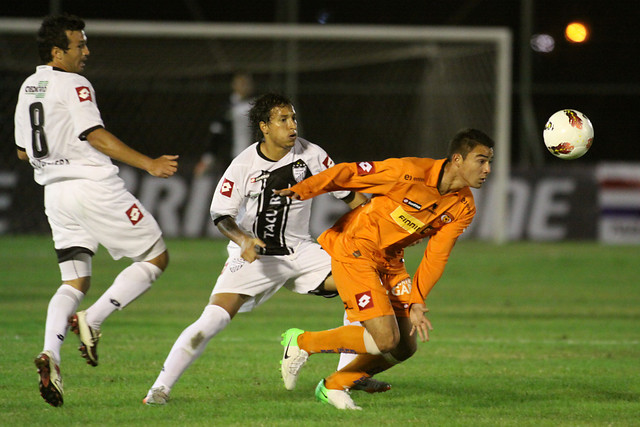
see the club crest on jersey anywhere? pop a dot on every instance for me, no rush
(134, 214)
(84, 94)
(299, 170)
(263, 175)
(445, 218)
(411, 203)
(226, 188)
(364, 300)
(366, 168)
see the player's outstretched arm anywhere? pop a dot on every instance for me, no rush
(107, 143)
(249, 245)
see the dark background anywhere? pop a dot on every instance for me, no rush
(599, 77)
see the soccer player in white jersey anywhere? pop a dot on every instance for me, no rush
(59, 131)
(270, 244)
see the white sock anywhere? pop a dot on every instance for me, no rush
(346, 358)
(191, 343)
(132, 282)
(63, 304)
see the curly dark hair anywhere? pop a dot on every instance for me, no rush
(466, 140)
(261, 110)
(52, 34)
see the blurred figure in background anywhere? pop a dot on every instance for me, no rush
(230, 133)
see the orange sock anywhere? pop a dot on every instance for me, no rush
(345, 339)
(341, 380)
(363, 366)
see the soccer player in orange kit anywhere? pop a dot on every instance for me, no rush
(413, 198)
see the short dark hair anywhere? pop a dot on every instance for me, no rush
(52, 34)
(466, 140)
(261, 110)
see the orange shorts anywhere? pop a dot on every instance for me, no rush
(368, 291)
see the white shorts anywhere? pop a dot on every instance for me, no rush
(86, 213)
(300, 272)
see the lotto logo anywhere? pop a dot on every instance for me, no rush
(327, 162)
(134, 214)
(84, 94)
(365, 168)
(364, 300)
(226, 188)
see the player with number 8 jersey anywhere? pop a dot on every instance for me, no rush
(59, 131)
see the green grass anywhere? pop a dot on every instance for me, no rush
(524, 335)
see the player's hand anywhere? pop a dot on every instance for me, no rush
(286, 192)
(164, 166)
(251, 248)
(419, 321)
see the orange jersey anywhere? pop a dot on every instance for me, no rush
(406, 206)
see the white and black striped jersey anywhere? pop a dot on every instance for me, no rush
(55, 111)
(245, 192)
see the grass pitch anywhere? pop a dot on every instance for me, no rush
(524, 335)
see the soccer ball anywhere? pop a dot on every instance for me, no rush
(568, 134)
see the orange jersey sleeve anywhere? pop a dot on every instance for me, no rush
(364, 177)
(436, 256)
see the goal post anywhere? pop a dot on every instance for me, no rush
(361, 91)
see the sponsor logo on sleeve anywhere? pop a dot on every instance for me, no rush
(134, 214)
(366, 168)
(364, 300)
(327, 162)
(84, 94)
(226, 188)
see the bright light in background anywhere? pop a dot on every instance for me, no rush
(542, 43)
(576, 32)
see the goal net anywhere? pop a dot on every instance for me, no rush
(361, 92)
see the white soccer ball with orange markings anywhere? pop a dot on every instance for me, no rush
(568, 134)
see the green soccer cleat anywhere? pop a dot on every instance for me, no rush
(293, 358)
(338, 398)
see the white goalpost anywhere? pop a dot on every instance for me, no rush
(362, 91)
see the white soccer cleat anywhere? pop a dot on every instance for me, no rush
(50, 379)
(156, 396)
(341, 399)
(88, 336)
(293, 358)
